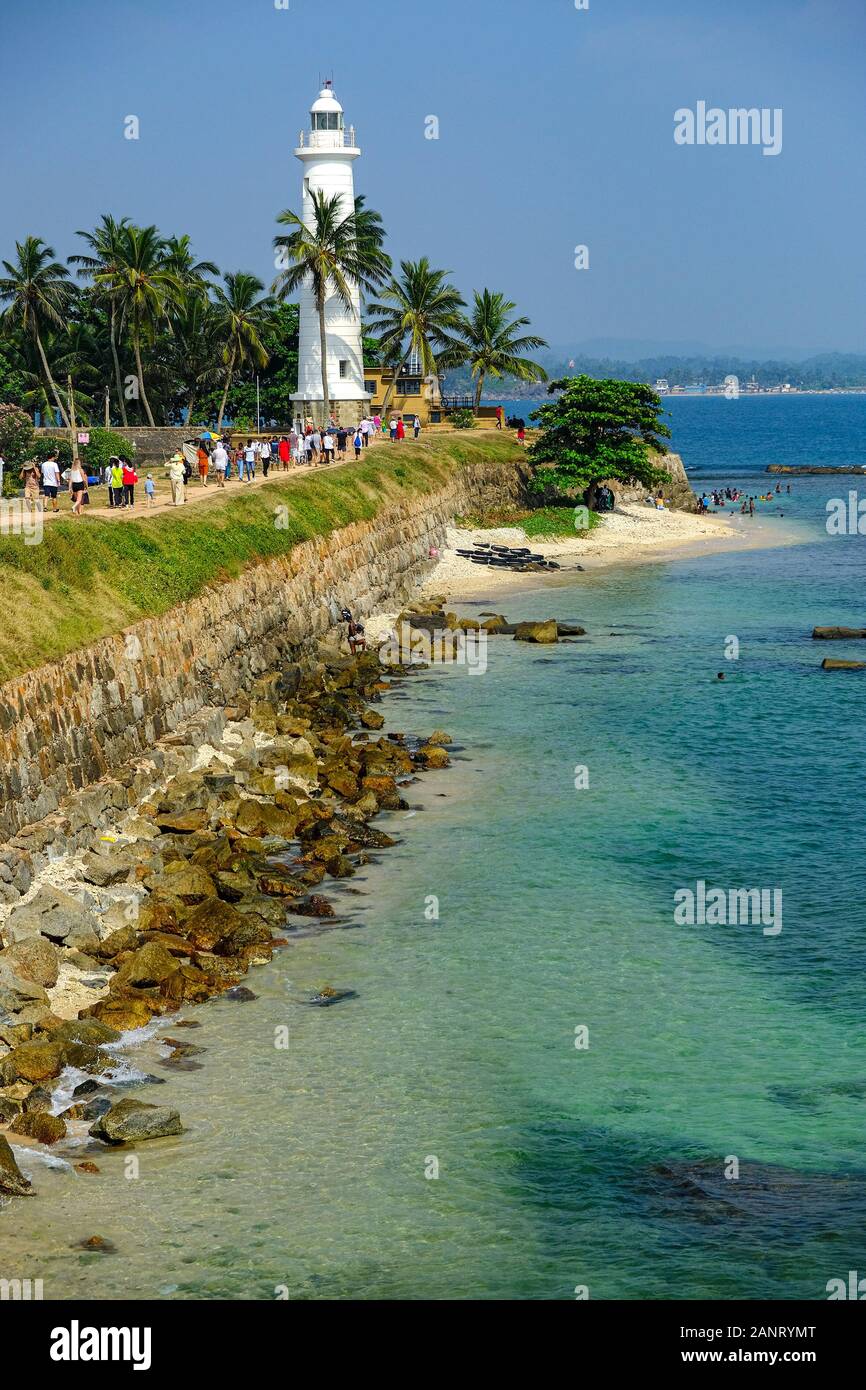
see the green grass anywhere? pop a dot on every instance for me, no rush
(544, 523)
(89, 578)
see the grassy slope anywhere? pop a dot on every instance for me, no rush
(90, 578)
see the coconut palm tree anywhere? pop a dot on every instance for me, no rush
(419, 312)
(493, 345)
(195, 355)
(144, 285)
(241, 317)
(192, 274)
(370, 233)
(104, 243)
(37, 295)
(335, 255)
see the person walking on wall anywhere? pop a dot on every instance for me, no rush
(51, 481)
(130, 478)
(116, 482)
(77, 486)
(30, 479)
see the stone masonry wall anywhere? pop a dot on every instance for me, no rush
(68, 724)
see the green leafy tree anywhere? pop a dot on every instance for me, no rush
(13, 369)
(334, 255)
(103, 444)
(494, 343)
(241, 317)
(595, 430)
(419, 312)
(37, 294)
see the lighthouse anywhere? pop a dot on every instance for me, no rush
(327, 153)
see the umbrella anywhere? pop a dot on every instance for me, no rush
(215, 437)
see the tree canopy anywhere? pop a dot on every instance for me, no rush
(595, 430)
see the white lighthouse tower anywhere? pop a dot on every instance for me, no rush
(328, 152)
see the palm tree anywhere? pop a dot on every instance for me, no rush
(418, 313)
(492, 343)
(143, 284)
(370, 233)
(335, 255)
(104, 242)
(195, 356)
(37, 296)
(241, 317)
(191, 274)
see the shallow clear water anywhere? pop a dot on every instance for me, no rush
(304, 1169)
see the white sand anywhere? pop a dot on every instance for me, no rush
(633, 533)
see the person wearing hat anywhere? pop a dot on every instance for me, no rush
(177, 478)
(30, 479)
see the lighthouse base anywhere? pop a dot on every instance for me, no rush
(348, 413)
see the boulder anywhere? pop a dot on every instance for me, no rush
(134, 1120)
(146, 967)
(85, 1030)
(124, 939)
(210, 923)
(12, 1180)
(52, 913)
(188, 883)
(16, 992)
(104, 867)
(545, 632)
(837, 634)
(433, 756)
(342, 781)
(182, 822)
(9, 1108)
(828, 664)
(439, 737)
(385, 791)
(262, 818)
(313, 906)
(123, 1015)
(34, 1061)
(39, 1125)
(36, 959)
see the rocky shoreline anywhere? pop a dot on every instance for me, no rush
(215, 848)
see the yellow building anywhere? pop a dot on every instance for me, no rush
(415, 394)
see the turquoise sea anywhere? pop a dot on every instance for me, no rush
(310, 1172)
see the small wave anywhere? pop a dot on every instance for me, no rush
(29, 1159)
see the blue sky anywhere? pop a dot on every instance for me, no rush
(555, 129)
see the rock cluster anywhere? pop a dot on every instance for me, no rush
(201, 883)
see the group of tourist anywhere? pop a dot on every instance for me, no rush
(719, 497)
(211, 456)
(305, 444)
(44, 482)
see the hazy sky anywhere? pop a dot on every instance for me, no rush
(556, 129)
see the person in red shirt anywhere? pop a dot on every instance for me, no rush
(285, 454)
(130, 478)
(401, 428)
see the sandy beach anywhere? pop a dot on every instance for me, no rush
(633, 534)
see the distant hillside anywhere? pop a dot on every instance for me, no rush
(819, 373)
